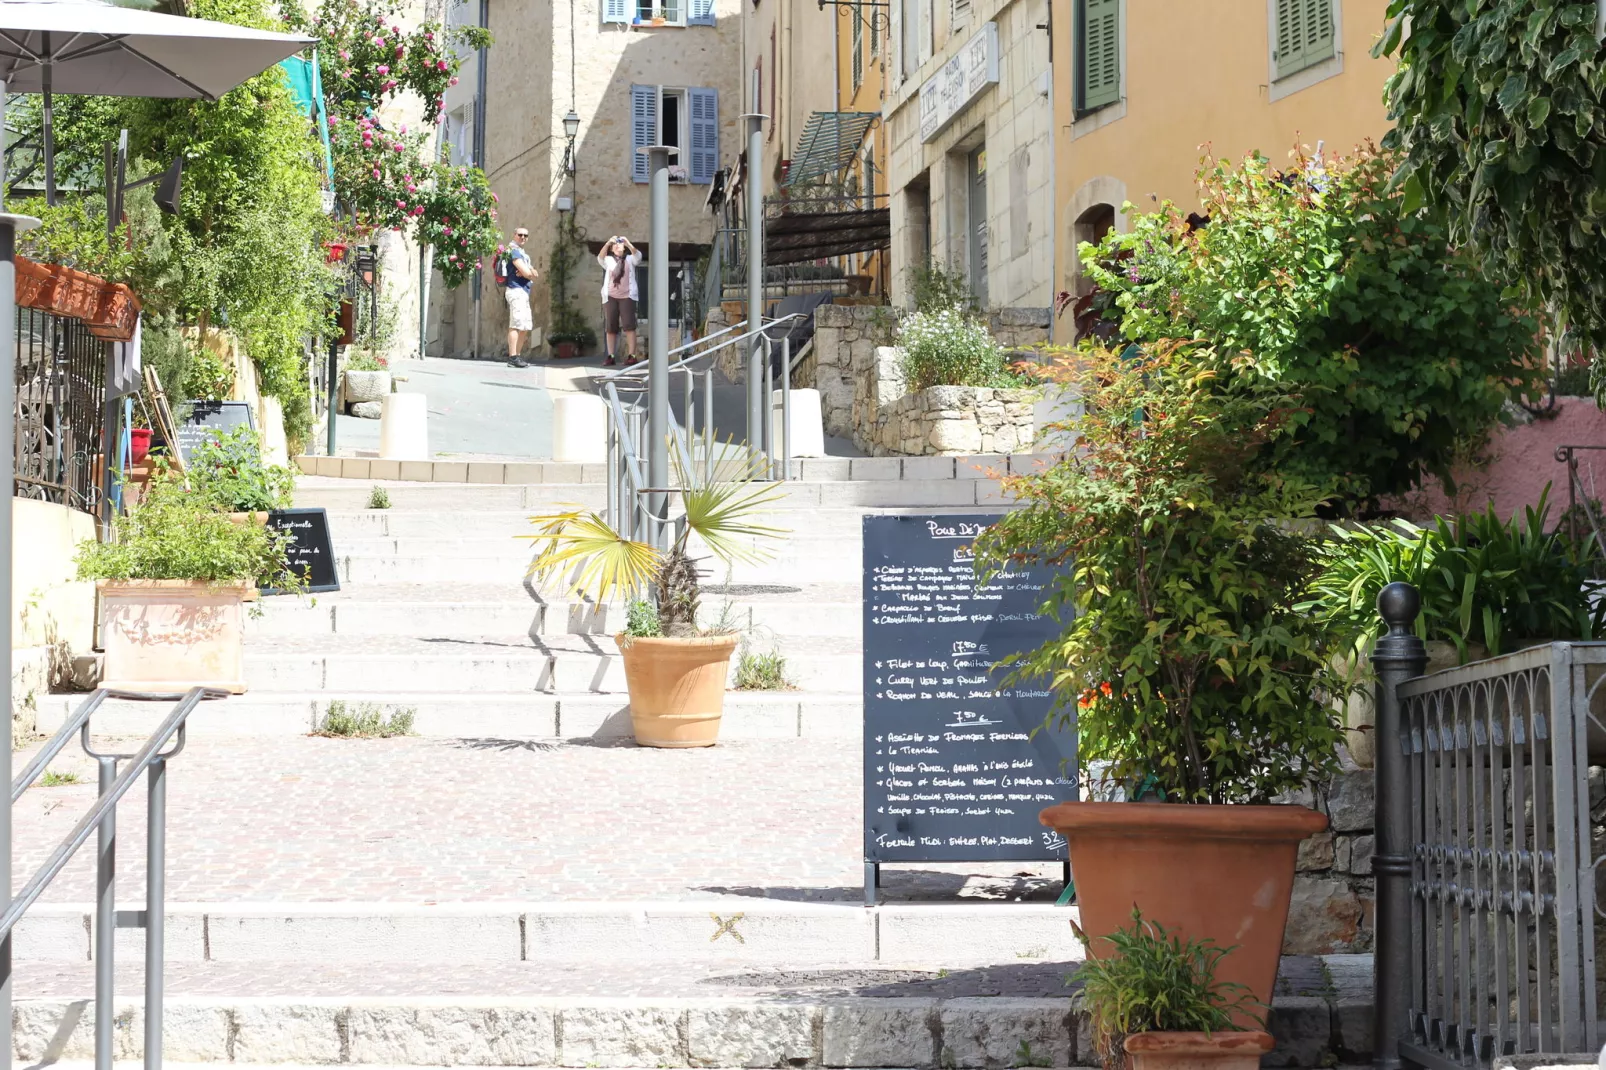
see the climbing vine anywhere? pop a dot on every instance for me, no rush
(568, 252)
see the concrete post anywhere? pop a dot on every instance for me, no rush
(756, 403)
(1399, 656)
(658, 338)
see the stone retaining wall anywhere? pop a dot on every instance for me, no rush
(1334, 893)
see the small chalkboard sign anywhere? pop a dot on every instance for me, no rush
(209, 419)
(954, 767)
(311, 550)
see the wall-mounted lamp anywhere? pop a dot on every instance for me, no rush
(571, 130)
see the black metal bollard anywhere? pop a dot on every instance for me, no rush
(1398, 656)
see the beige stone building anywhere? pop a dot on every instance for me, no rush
(969, 122)
(635, 72)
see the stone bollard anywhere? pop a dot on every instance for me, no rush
(808, 426)
(404, 427)
(579, 429)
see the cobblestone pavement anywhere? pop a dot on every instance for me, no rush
(259, 979)
(486, 820)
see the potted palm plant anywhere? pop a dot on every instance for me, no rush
(173, 583)
(1182, 661)
(1154, 1003)
(676, 672)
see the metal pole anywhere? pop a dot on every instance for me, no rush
(769, 408)
(108, 440)
(10, 227)
(786, 408)
(105, 922)
(334, 380)
(755, 272)
(658, 337)
(708, 425)
(155, 908)
(1397, 657)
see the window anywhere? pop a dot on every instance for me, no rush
(857, 15)
(1303, 35)
(1098, 75)
(685, 118)
(960, 14)
(660, 12)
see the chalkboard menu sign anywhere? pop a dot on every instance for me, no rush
(208, 419)
(953, 771)
(311, 550)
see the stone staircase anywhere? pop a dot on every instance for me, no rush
(435, 617)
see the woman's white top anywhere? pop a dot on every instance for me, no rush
(608, 264)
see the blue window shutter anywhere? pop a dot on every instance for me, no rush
(616, 11)
(643, 127)
(703, 105)
(701, 13)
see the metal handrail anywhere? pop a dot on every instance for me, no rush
(152, 760)
(640, 370)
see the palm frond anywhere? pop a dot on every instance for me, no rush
(723, 512)
(601, 560)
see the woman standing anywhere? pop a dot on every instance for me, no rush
(619, 259)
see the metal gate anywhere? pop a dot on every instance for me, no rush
(61, 393)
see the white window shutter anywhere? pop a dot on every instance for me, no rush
(700, 13)
(703, 106)
(616, 11)
(643, 128)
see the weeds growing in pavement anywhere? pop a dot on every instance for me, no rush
(53, 779)
(379, 498)
(364, 720)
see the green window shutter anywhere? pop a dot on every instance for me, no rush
(1100, 54)
(1304, 35)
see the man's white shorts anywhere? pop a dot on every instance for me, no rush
(518, 308)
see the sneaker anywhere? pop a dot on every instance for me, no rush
(517, 362)
(609, 362)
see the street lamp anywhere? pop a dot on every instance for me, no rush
(571, 130)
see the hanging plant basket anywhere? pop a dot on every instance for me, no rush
(33, 282)
(75, 293)
(115, 314)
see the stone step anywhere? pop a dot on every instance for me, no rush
(565, 663)
(481, 715)
(355, 616)
(728, 929)
(909, 493)
(348, 524)
(511, 568)
(813, 469)
(919, 1014)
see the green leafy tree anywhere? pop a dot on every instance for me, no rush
(1400, 351)
(1181, 654)
(1500, 115)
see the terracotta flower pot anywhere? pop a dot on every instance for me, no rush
(1197, 1051)
(677, 688)
(259, 518)
(33, 282)
(115, 313)
(1223, 873)
(563, 350)
(172, 635)
(75, 293)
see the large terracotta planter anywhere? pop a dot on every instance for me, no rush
(1197, 1051)
(75, 293)
(172, 635)
(677, 688)
(116, 313)
(1219, 872)
(33, 280)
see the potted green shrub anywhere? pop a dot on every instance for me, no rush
(1154, 1003)
(572, 343)
(228, 471)
(1181, 659)
(173, 583)
(675, 672)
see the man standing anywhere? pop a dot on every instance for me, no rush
(519, 274)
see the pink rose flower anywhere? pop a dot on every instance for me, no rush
(398, 146)
(384, 69)
(453, 80)
(440, 65)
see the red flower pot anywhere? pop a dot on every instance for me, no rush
(563, 350)
(33, 280)
(139, 444)
(115, 314)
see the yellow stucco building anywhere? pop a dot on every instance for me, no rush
(1142, 89)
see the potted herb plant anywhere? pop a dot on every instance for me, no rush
(173, 583)
(676, 672)
(1181, 660)
(1154, 1003)
(228, 471)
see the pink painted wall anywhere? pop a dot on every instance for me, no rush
(1522, 460)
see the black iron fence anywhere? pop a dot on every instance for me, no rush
(60, 410)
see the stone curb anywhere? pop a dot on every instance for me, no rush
(951, 1034)
(743, 932)
(508, 473)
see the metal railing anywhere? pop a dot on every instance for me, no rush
(1485, 861)
(60, 408)
(151, 760)
(638, 511)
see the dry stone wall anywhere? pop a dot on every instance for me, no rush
(1335, 895)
